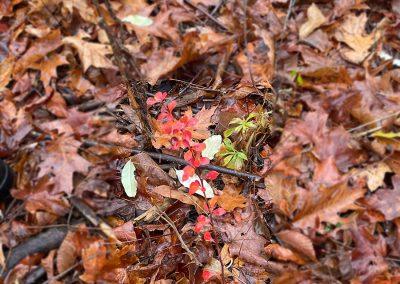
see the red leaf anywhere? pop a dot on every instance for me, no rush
(188, 171)
(206, 275)
(208, 237)
(194, 186)
(212, 175)
(219, 212)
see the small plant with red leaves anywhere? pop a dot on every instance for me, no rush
(176, 134)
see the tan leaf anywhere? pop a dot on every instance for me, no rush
(90, 53)
(231, 199)
(6, 69)
(48, 67)
(87, 12)
(352, 32)
(326, 205)
(203, 122)
(314, 21)
(298, 242)
(284, 254)
(169, 192)
(38, 50)
(61, 159)
(374, 175)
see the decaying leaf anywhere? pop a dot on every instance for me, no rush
(91, 54)
(231, 199)
(326, 205)
(61, 159)
(352, 32)
(315, 19)
(374, 175)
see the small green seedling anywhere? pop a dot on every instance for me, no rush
(297, 76)
(241, 126)
(232, 158)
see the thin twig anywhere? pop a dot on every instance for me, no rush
(179, 161)
(211, 17)
(184, 246)
(289, 12)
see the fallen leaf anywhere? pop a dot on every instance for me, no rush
(209, 192)
(325, 206)
(61, 159)
(169, 192)
(231, 199)
(87, 12)
(213, 144)
(200, 130)
(128, 179)
(315, 19)
(138, 20)
(6, 70)
(40, 49)
(352, 32)
(48, 67)
(297, 242)
(90, 53)
(281, 253)
(386, 201)
(374, 175)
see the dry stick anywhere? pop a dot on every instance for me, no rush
(184, 246)
(179, 161)
(136, 89)
(211, 17)
(289, 12)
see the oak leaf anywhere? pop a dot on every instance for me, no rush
(90, 53)
(352, 32)
(48, 67)
(297, 242)
(61, 159)
(231, 199)
(37, 51)
(326, 205)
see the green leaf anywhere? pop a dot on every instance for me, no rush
(228, 145)
(229, 132)
(299, 80)
(388, 135)
(293, 73)
(128, 179)
(251, 115)
(241, 155)
(138, 20)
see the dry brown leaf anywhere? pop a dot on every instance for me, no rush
(374, 175)
(169, 192)
(203, 117)
(38, 50)
(61, 158)
(90, 53)
(6, 70)
(298, 242)
(87, 12)
(352, 32)
(325, 206)
(231, 199)
(48, 67)
(314, 21)
(284, 254)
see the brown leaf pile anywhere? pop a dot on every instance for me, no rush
(327, 74)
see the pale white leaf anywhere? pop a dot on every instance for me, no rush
(128, 179)
(213, 144)
(209, 193)
(138, 20)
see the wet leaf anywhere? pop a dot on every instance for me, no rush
(128, 179)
